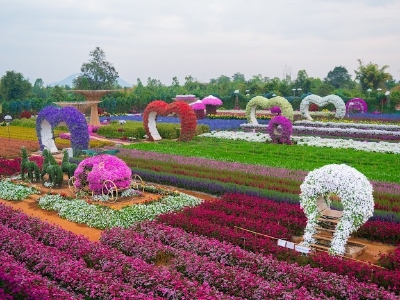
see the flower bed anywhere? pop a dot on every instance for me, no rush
(96, 216)
(148, 238)
(90, 269)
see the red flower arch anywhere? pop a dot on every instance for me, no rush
(182, 109)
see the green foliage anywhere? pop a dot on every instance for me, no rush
(339, 77)
(136, 130)
(376, 166)
(14, 86)
(372, 76)
(97, 74)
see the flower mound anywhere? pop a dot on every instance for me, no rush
(356, 105)
(92, 172)
(285, 127)
(355, 192)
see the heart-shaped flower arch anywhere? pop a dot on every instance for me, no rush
(50, 116)
(355, 193)
(182, 109)
(321, 102)
(260, 101)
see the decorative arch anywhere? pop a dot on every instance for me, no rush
(280, 129)
(51, 116)
(323, 101)
(355, 193)
(356, 104)
(260, 101)
(185, 113)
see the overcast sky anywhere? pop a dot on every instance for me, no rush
(51, 39)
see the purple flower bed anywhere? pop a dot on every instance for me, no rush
(92, 268)
(304, 280)
(21, 283)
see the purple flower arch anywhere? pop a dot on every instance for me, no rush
(286, 129)
(356, 104)
(50, 116)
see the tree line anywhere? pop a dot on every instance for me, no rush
(371, 83)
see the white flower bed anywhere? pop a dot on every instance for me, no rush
(97, 216)
(347, 125)
(382, 147)
(350, 130)
(15, 192)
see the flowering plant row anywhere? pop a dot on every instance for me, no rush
(248, 285)
(229, 255)
(110, 272)
(314, 141)
(196, 221)
(96, 216)
(9, 167)
(361, 126)
(383, 135)
(20, 283)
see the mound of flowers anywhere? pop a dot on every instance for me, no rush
(93, 172)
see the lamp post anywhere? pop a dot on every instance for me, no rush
(236, 92)
(8, 120)
(294, 92)
(387, 94)
(369, 93)
(299, 89)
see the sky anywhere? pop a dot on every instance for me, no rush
(161, 39)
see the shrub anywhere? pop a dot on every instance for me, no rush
(26, 114)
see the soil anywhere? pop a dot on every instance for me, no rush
(31, 207)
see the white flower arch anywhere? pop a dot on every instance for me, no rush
(260, 101)
(323, 101)
(355, 192)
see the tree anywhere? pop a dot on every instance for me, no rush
(303, 82)
(38, 89)
(97, 74)
(339, 77)
(14, 86)
(371, 76)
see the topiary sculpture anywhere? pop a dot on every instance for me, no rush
(52, 168)
(67, 167)
(29, 166)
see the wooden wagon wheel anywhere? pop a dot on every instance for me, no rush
(71, 185)
(108, 189)
(136, 182)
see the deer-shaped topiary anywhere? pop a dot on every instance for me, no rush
(52, 168)
(67, 167)
(30, 167)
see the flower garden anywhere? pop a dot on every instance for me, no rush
(261, 188)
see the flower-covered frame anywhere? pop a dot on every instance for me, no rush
(356, 104)
(321, 102)
(93, 171)
(51, 116)
(286, 127)
(260, 101)
(355, 192)
(182, 109)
